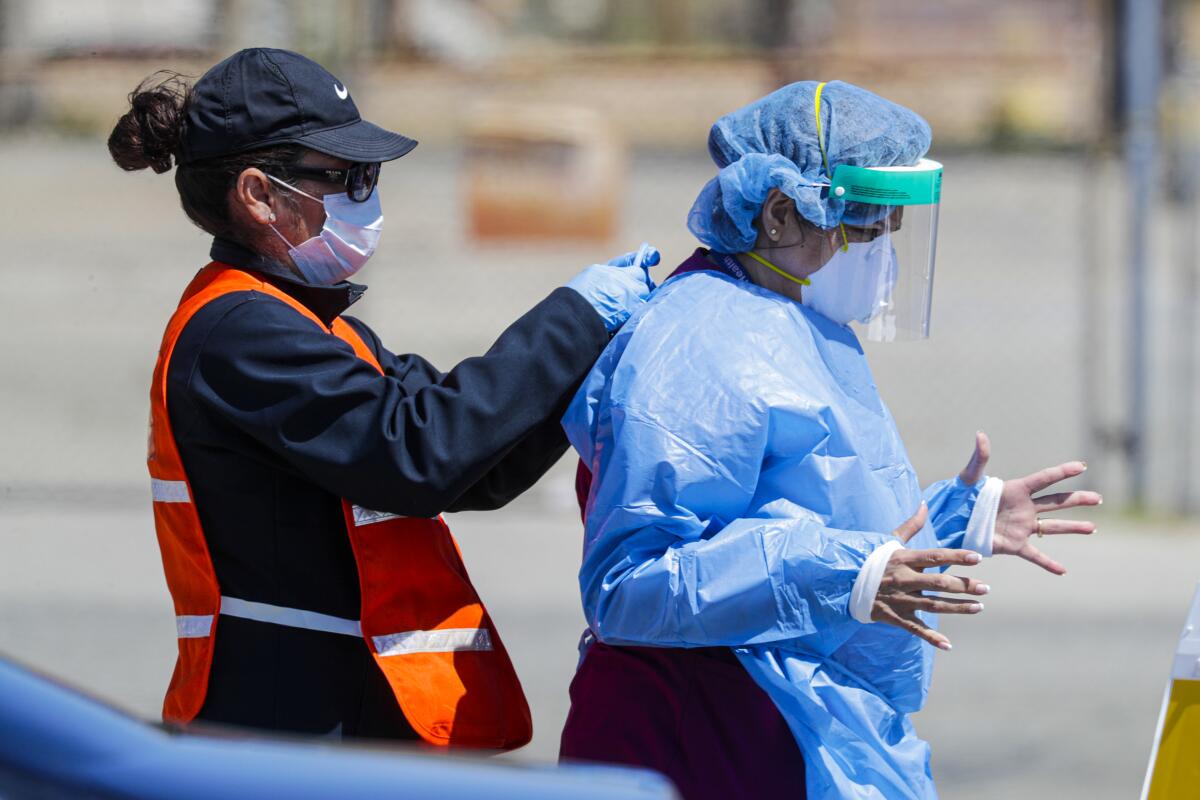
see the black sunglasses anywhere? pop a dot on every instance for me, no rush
(359, 178)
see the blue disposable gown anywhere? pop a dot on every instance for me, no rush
(744, 467)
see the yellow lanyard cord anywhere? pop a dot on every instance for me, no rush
(778, 271)
(824, 157)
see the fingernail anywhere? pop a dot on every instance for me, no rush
(945, 646)
(1084, 464)
(974, 558)
(976, 608)
(1101, 502)
(982, 588)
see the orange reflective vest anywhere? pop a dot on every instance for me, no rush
(420, 616)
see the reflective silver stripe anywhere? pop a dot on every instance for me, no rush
(169, 491)
(193, 626)
(447, 640)
(365, 516)
(291, 617)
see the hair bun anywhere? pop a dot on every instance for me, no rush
(149, 133)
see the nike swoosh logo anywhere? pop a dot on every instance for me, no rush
(342, 91)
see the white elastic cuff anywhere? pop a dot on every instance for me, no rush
(982, 525)
(866, 585)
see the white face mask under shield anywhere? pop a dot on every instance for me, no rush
(856, 284)
(347, 239)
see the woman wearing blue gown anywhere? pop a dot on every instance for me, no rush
(758, 553)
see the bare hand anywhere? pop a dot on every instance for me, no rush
(902, 590)
(1017, 518)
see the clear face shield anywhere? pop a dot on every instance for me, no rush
(890, 230)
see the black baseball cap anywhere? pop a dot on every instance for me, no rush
(262, 97)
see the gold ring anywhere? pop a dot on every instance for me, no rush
(1039, 528)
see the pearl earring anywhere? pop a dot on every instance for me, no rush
(773, 231)
(272, 216)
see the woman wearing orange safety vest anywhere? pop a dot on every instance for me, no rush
(298, 468)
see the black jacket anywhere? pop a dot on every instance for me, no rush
(277, 420)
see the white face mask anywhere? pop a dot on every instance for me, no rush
(855, 285)
(347, 239)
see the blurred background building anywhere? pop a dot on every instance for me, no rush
(555, 133)
(984, 73)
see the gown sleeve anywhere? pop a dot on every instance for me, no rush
(951, 503)
(671, 561)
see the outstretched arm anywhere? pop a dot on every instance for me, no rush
(663, 567)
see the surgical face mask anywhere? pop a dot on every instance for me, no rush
(347, 239)
(856, 284)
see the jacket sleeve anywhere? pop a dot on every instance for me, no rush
(411, 441)
(413, 371)
(521, 467)
(519, 470)
(655, 573)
